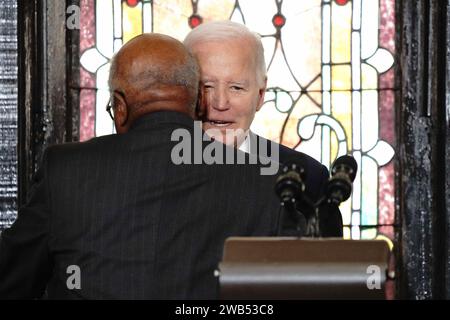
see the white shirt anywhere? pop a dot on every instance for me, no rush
(245, 145)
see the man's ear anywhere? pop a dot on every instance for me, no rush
(121, 114)
(261, 94)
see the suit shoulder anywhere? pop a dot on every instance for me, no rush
(71, 150)
(93, 143)
(286, 153)
(312, 163)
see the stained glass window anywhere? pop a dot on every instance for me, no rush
(330, 81)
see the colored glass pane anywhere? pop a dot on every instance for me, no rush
(386, 205)
(87, 79)
(171, 17)
(303, 24)
(369, 197)
(341, 102)
(132, 21)
(279, 74)
(341, 78)
(132, 3)
(216, 9)
(341, 28)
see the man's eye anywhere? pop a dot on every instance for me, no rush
(208, 86)
(237, 88)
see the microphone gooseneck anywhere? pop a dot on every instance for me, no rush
(290, 187)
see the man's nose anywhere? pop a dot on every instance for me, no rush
(221, 100)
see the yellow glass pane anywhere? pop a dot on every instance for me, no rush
(312, 145)
(132, 21)
(290, 137)
(304, 106)
(316, 85)
(268, 122)
(346, 212)
(301, 38)
(172, 18)
(347, 234)
(341, 104)
(317, 97)
(341, 28)
(369, 233)
(369, 77)
(215, 9)
(341, 77)
(334, 146)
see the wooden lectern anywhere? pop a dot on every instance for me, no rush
(300, 268)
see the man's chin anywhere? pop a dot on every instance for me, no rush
(229, 137)
(228, 140)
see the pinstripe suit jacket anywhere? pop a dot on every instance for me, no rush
(136, 225)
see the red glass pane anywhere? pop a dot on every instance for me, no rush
(195, 20)
(132, 3)
(387, 25)
(87, 80)
(387, 38)
(278, 20)
(341, 2)
(87, 114)
(87, 25)
(387, 116)
(386, 197)
(386, 193)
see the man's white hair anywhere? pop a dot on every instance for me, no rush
(228, 30)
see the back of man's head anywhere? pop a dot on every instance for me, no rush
(225, 30)
(152, 72)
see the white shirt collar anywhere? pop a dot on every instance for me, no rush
(245, 145)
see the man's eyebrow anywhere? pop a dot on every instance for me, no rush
(242, 83)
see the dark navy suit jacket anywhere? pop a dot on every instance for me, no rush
(136, 225)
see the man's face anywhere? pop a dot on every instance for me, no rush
(232, 92)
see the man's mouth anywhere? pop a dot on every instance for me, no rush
(220, 123)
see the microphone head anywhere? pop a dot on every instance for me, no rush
(296, 164)
(290, 182)
(343, 173)
(347, 162)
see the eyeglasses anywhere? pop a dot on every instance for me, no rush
(109, 106)
(108, 109)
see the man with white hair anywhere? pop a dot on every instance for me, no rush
(233, 81)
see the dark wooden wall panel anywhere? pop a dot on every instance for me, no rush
(424, 142)
(49, 62)
(8, 112)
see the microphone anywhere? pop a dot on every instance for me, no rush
(290, 187)
(343, 173)
(290, 184)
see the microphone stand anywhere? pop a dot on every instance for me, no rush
(313, 229)
(290, 187)
(306, 225)
(288, 209)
